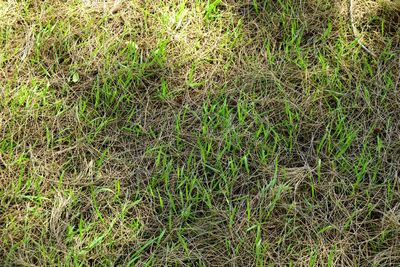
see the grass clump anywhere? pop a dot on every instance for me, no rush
(199, 133)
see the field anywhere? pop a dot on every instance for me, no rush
(199, 133)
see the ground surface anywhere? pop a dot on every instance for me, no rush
(199, 133)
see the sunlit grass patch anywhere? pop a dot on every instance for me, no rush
(198, 133)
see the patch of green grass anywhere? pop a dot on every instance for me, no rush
(198, 133)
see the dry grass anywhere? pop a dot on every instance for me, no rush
(199, 133)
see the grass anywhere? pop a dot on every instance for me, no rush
(199, 133)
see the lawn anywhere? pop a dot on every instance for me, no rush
(199, 133)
